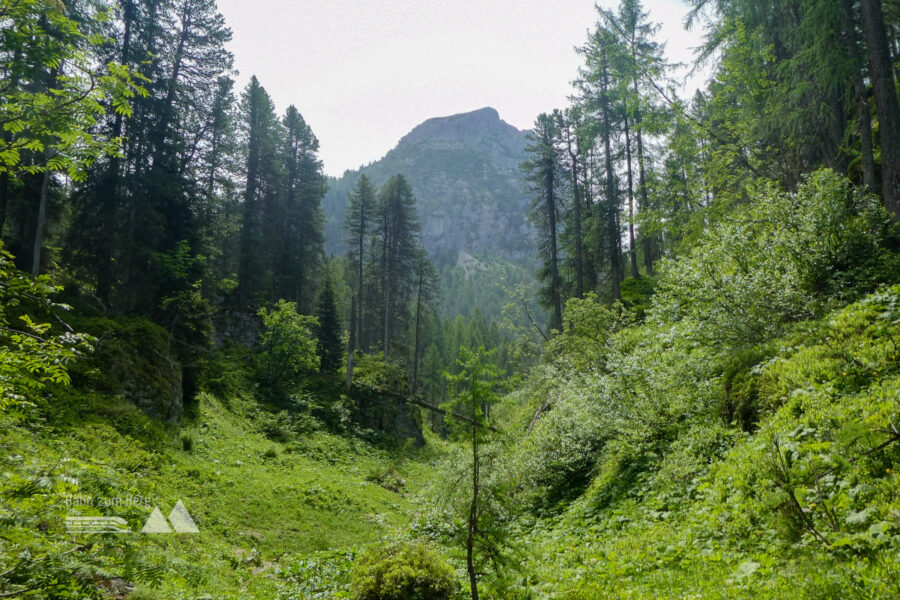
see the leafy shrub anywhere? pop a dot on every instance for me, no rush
(287, 348)
(31, 355)
(637, 293)
(778, 261)
(142, 593)
(373, 371)
(740, 400)
(387, 477)
(225, 371)
(411, 571)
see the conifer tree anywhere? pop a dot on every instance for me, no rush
(543, 172)
(359, 227)
(329, 329)
(296, 227)
(261, 139)
(397, 247)
(426, 292)
(598, 92)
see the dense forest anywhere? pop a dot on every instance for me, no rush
(341, 392)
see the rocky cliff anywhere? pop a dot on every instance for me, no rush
(464, 171)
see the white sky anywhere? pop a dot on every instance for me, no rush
(364, 73)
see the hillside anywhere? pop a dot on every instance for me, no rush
(668, 368)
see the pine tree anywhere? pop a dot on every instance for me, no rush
(886, 103)
(144, 203)
(481, 502)
(598, 90)
(426, 293)
(572, 238)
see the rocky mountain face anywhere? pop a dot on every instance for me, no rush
(464, 171)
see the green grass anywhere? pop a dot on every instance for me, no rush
(267, 511)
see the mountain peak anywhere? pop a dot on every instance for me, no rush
(464, 171)
(466, 128)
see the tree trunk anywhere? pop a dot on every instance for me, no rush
(473, 513)
(110, 189)
(646, 242)
(4, 199)
(612, 217)
(632, 247)
(351, 345)
(415, 377)
(554, 259)
(386, 283)
(361, 287)
(576, 204)
(861, 97)
(39, 229)
(886, 104)
(246, 264)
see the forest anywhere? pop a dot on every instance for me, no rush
(694, 395)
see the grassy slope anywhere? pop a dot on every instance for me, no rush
(706, 517)
(261, 506)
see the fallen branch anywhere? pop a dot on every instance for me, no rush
(419, 402)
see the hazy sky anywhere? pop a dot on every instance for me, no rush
(363, 73)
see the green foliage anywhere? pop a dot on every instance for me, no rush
(33, 357)
(328, 338)
(133, 357)
(779, 260)
(373, 371)
(143, 594)
(286, 348)
(57, 122)
(412, 571)
(804, 506)
(740, 383)
(636, 295)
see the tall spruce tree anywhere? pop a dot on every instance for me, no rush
(397, 245)
(544, 173)
(887, 106)
(328, 342)
(296, 227)
(598, 87)
(426, 290)
(359, 227)
(261, 134)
